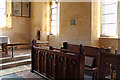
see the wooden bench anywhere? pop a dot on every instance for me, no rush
(112, 60)
(18, 44)
(91, 56)
(75, 48)
(57, 65)
(6, 45)
(2, 46)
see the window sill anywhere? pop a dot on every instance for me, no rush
(5, 27)
(109, 38)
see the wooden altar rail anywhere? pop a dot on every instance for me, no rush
(16, 44)
(57, 65)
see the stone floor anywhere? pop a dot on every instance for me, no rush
(23, 75)
(16, 52)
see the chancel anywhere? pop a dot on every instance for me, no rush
(60, 39)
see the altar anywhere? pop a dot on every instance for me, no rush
(4, 40)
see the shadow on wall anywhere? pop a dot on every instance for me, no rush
(38, 34)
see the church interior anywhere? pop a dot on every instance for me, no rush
(59, 39)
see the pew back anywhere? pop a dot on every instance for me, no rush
(89, 51)
(107, 59)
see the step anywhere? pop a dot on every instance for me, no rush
(15, 63)
(16, 58)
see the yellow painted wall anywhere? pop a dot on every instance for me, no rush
(110, 42)
(18, 28)
(95, 21)
(85, 31)
(80, 33)
(39, 20)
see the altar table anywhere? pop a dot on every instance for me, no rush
(4, 40)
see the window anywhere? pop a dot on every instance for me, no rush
(109, 18)
(2, 13)
(54, 18)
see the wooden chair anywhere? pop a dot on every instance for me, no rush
(105, 60)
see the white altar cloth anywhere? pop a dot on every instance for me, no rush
(4, 39)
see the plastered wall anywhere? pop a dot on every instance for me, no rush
(110, 42)
(39, 20)
(78, 33)
(18, 28)
(85, 31)
(95, 24)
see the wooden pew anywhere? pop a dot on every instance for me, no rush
(57, 65)
(107, 59)
(91, 56)
(75, 48)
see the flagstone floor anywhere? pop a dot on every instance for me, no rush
(16, 53)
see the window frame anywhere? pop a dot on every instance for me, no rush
(5, 16)
(21, 10)
(51, 17)
(101, 21)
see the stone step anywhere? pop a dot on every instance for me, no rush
(16, 58)
(15, 63)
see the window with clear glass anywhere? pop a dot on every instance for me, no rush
(109, 17)
(2, 13)
(54, 18)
